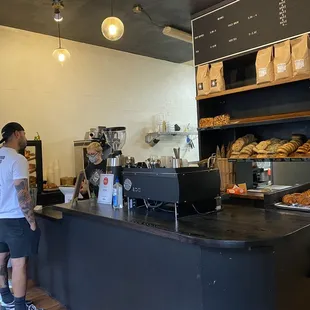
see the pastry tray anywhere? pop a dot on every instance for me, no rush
(297, 207)
(51, 189)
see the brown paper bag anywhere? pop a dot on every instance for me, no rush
(217, 82)
(301, 55)
(203, 80)
(264, 66)
(282, 61)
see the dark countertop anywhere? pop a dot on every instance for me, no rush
(50, 213)
(233, 227)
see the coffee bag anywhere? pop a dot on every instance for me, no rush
(203, 80)
(282, 61)
(264, 66)
(217, 82)
(301, 55)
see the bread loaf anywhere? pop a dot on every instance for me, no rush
(305, 148)
(206, 122)
(289, 148)
(242, 142)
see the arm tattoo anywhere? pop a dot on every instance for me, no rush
(24, 200)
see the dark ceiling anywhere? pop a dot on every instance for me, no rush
(83, 18)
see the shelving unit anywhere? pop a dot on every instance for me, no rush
(262, 110)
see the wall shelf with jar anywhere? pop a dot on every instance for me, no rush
(153, 138)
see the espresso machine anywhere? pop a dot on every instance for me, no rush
(186, 190)
(116, 139)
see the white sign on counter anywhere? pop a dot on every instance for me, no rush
(106, 188)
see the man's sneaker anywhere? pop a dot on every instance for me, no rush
(11, 305)
(32, 307)
(5, 306)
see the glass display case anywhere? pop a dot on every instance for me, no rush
(33, 154)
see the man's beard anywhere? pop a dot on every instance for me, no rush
(22, 143)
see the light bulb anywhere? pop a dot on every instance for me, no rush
(112, 28)
(58, 18)
(61, 55)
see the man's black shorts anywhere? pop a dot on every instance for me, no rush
(17, 238)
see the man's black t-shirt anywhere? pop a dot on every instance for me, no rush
(93, 175)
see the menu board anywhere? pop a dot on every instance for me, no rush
(242, 26)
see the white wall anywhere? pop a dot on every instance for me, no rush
(98, 86)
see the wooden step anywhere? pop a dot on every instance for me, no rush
(42, 300)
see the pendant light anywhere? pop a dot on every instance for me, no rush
(57, 6)
(112, 27)
(57, 16)
(61, 54)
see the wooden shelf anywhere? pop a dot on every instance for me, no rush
(252, 87)
(275, 160)
(264, 120)
(157, 135)
(32, 170)
(174, 133)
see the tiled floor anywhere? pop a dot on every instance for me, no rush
(42, 300)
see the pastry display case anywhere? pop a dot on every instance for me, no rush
(33, 154)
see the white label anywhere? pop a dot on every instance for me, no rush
(262, 72)
(281, 68)
(213, 83)
(299, 64)
(106, 188)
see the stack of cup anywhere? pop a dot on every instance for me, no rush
(166, 161)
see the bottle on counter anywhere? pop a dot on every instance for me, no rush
(117, 196)
(56, 172)
(50, 174)
(93, 200)
(269, 177)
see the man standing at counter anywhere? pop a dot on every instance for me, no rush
(19, 234)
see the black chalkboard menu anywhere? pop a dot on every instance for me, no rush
(242, 26)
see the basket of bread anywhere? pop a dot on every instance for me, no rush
(217, 121)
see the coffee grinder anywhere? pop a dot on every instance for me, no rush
(116, 138)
